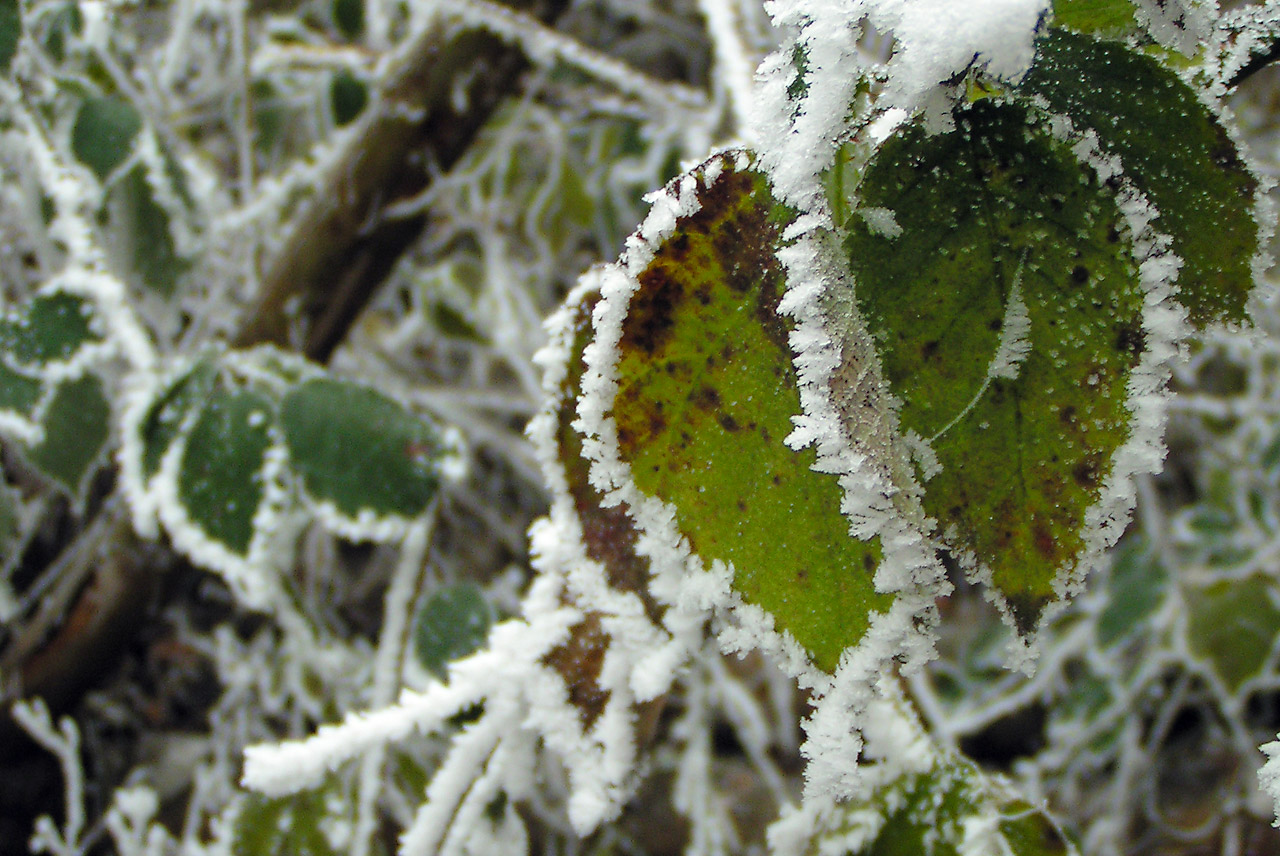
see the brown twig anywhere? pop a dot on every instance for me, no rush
(341, 248)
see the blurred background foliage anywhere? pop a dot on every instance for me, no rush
(239, 170)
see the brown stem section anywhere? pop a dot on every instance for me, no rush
(341, 248)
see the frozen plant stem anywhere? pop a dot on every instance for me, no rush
(64, 743)
(397, 606)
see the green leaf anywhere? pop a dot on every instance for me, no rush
(10, 32)
(993, 208)
(952, 809)
(51, 329)
(220, 479)
(1135, 588)
(290, 825)
(103, 133)
(348, 17)
(1233, 625)
(453, 623)
(360, 451)
(61, 24)
(19, 392)
(1107, 18)
(170, 410)
(348, 96)
(76, 427)
(143, 226)
(706, 395)
(1174, 150)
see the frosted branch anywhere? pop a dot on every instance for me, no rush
(63, 741)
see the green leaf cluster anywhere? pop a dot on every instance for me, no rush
(241, 438)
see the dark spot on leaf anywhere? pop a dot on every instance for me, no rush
(649, 318)
(677, 246)
(579, 660)
(1044, 541)
(705, 398)
(626, 439)
(1080, 274)
(1131, 339)
(1085, 474)
(868, 562)
(728, 423)
(995, 324)
(1067, 415)
(1026, 608)
(929, 349)
(657, 424)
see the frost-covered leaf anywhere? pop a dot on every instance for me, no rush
(1175, 151)
(170, 410)
(103, 133)
(1233, 626)
(359, 451)
(452, 623)
(19, 392)
(150, 252)
(705, 399)
(952, 809)
(268, 826)
(608, 533)
(997, 278)
(76, 427)
(220, 483)
(10, 32)
(51, 328)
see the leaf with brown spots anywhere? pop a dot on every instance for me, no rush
(1025, 453)
(706, 395)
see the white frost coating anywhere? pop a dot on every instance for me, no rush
(1181, 25)
(935, 41)
(63, 742)
(295, 765)
(881, 221)
(1269, 774)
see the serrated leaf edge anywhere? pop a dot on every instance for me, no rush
(682, 580)
(643, 658)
